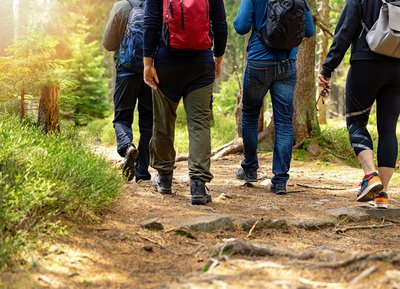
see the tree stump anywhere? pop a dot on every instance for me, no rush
(49, 108)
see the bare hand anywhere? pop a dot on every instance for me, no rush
(218, 65)
(322, 80)
(150, 76)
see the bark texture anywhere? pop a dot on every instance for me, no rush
(49, 108)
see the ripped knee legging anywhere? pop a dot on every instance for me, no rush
(368, 81)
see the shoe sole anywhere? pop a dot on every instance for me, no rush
(129, 168)
(379, 205)
(201, 200)
(369, 192)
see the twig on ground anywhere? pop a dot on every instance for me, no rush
(214, 264)
(345, 229)
(253, 227)
(363, 274)
(321, 188)
(319, 284)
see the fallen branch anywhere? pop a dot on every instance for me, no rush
(365, 273)
(345, 229)
(321, 188)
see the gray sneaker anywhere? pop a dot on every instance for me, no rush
(128, 168)
(199, 192)
(241, 174)
(163, 183)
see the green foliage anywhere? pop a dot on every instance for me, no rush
(45, 176)
(28, 66)
(225, 99)
(87, 85)
(222, 130)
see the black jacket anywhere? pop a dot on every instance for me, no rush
(349, 31)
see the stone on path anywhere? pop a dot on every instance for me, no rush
(381, 213)
(352, 214)
(207, 223)
(153, 225)
(311, 223)
(264, 224)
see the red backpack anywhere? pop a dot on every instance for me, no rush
(186, 24)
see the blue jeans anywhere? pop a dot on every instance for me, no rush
(130, 89)
(280, 78)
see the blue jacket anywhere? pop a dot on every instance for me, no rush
(250, 16)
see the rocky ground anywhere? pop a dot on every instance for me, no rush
(316, 236)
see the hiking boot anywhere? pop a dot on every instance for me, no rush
(369, 186)
(381, 200)
(279, 189)
(241, 174)
(200, 193)
(163, 183)
(128, 168)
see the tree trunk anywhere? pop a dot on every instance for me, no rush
(49, 108)
(305, 121)
(22, 104)
(323, 43)
(6, 24)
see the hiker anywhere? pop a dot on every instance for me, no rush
(371, 77)
(179, 63)
(130, 88)
(271, 65)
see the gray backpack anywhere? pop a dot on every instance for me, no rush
(384, 36)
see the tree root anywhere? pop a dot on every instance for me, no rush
(243, 248)
(306, 258)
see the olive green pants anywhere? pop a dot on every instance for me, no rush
(198, 112)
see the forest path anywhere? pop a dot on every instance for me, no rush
(293, 241)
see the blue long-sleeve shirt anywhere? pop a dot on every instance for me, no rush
(154, 45)
(250, 17)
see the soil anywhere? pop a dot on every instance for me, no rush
(117, 252)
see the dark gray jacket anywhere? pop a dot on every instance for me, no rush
(116, 26)
(349, 31)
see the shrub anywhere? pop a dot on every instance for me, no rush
(43, 177)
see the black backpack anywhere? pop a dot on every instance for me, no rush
(285, 25)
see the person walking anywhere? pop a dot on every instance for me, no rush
(129, 90)
(180, 63)
(269, 69)
(372, 77)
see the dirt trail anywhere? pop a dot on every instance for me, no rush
(118, 253)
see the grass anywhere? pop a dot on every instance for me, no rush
(43, 177)
(222, 130)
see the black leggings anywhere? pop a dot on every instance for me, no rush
(368, 81)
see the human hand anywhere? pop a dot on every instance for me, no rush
(323, 82)
(150, 76)
(218, 66)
